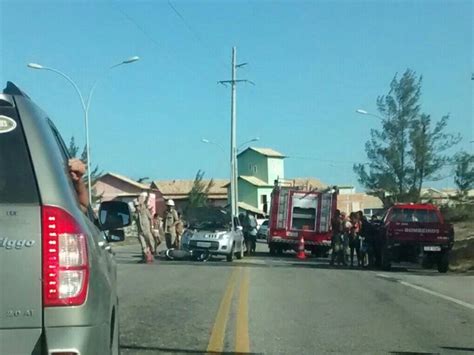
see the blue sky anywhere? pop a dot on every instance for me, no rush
(314, 63)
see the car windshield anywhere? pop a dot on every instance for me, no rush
(413, 215)
(208, 218)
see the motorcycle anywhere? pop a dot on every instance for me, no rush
(194, 255)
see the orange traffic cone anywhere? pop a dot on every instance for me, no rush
(301, 254)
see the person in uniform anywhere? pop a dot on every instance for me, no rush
(158, 233)
(144, 223)
(179, 230)
(170, 219)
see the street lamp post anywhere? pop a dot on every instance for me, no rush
(208, 141)
(256, 139)
(364, 112)
(85, 107)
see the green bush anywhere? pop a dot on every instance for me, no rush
(459, 212)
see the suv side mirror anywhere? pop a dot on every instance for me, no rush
(114, 214)
(240, 228)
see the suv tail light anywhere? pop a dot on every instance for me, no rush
(65, 264)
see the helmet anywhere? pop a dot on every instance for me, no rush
(170, 203)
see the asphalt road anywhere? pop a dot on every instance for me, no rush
(280, 305)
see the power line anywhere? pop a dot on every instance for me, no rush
(326, 160)
(137, 25)
(193, 31)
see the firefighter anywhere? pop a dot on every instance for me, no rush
(158, 232)
(179, 225)
(170, 220)
(144, 223)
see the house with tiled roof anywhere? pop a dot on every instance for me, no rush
(178, 191)
(113, 186)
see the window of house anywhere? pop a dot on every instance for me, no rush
(252, 168)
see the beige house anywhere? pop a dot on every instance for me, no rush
(350, 201)
(178, 191)
(112, 186)
(441, 196)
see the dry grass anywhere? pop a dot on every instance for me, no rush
(462, 255)
(463, 230)
(461, 258)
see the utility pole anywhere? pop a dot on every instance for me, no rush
(234, 195)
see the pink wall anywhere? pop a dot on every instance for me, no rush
(110, 188)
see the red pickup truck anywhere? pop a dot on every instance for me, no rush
(409, 232)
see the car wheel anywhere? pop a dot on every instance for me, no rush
(386, 262)
(115, 341)
(240, 254)
(230, 256)
(443, 263)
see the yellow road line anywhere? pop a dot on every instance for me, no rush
(216, 341)
(242, 342)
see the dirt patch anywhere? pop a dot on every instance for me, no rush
(461, 258)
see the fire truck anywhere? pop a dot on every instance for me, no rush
(296, 211)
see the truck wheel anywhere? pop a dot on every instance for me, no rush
(443, 263)
(272, 249)
(386, 262)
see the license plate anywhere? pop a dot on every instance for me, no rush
(203, 244)
(432, 248)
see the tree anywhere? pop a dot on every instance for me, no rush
(408, 150)
(198, 196)
(73, 151)
(428, 145)
(464, 172)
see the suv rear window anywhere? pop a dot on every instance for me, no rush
(412, 215)
(17, 180)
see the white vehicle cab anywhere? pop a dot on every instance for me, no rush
(210, 229)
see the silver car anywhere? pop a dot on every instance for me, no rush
(210, 229)
(263, 230)
(57, 272)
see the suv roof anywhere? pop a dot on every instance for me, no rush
(12, 89)
(416, 206)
